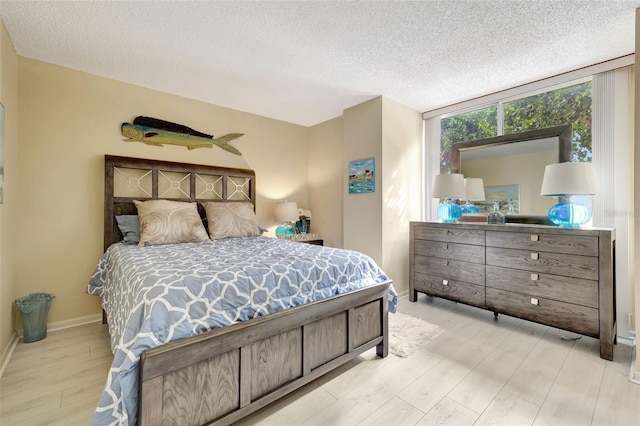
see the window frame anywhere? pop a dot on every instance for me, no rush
(499, 104)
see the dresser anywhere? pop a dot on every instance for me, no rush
(564, 278)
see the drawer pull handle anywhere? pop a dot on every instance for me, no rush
(445, 282)
(535, 237)
(535, 256)
(445, 262)
(535, 277)
(535, 301)
(445, 246)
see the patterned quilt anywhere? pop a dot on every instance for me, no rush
(158, 294)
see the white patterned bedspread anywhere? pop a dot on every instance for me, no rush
(158, 294)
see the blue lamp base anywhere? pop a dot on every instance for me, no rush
(469, 208)
(285, 231)
(449, 212)
(569, 214)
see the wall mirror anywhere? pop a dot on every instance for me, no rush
(512, 167)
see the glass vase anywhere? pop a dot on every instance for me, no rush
(496, 216)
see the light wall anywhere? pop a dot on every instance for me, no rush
(68, 121)
(402, 193)
(362, 213)
(326, 166)
(9, 209)
(378, 223)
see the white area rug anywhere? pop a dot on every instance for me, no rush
(407, 334)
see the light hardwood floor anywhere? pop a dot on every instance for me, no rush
(480, 371)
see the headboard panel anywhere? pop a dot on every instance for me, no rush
(127, 179)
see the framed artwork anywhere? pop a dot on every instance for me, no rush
(362, 176)
(1, 153)
(505, 195)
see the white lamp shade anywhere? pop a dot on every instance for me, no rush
(568, 179)
(448, 186)
(474, 189)
(286, 211)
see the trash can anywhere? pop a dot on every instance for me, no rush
(34, 309)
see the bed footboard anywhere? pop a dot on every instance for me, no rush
(222, 376)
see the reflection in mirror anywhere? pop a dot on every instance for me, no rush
(512, 174)
(512, 167)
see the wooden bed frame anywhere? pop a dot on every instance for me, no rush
(224, 375)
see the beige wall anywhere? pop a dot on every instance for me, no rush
(378, 223)
(326, 168)
(9, 209)
(69, 120)
(362, 213)
(402, 192)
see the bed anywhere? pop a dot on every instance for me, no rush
(213, 368)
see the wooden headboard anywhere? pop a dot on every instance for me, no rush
(127, 179)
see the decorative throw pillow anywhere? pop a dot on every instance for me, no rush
(166, 222)
(229, 220)
(129, 226)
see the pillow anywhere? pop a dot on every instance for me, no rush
(129, 226)
(166, 222)
(229, 220)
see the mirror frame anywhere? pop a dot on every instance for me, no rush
(564, 134)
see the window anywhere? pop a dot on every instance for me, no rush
(477, 124)
(568, 105)
(571, 104)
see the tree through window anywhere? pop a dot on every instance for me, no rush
(468, 126)
(568, 105)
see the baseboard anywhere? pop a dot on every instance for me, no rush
(8, 352)
(402, 294)
(629, 341)
(61, 325)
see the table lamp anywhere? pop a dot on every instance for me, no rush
(567, 180)
(474, 191)
(285, 212)
(448, 186)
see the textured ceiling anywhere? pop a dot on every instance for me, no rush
(306, 61)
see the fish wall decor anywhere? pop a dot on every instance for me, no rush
(153, 131)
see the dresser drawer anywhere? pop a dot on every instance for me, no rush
(450, 289)
(567, 244)
(455, 251)
(556, 287)
(450, 235)
(585, 267)
(576, 318)
(450, 269)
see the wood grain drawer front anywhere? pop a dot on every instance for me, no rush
(576, 318)
(450, 269)
(585, 267)
(454, 251)
(567, 244)
(450, 235)
(556, 287)
(450, 289)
